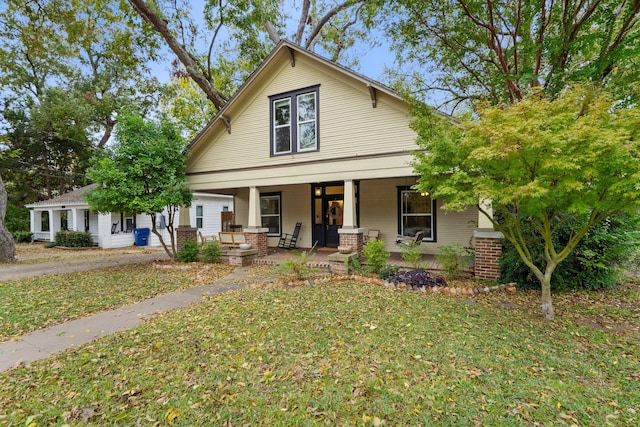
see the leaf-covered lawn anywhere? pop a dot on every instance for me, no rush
(30, 304)
(343, 353)
(32, 253)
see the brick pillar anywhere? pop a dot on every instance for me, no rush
(258, 239)
(488, 251)
(183, 234)
(353, 237)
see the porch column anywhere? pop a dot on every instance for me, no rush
(32, 223)
(74, 219)
(350, 234)
(104, 230)
(255, 233)
(488, 247)
(52, 230)
(184, 231)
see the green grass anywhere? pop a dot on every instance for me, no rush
(344, 353)
(30, 304)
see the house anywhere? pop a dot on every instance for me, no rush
(70, 211)
(307, 140)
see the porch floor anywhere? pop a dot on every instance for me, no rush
(321, 258)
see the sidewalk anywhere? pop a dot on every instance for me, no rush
(56, 339)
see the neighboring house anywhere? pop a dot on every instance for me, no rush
(307, 140)
(70, 211)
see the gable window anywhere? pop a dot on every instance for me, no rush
(199, 216)
(416, 213)
(270, 213)
(294, 121)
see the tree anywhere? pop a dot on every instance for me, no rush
(467, 51)
(7, 244)
(537, 161)
(238, 35)
(143, 173)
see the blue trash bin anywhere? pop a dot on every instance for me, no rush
(141, 236)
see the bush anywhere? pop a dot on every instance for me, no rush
(375, 256)
(16, 218)
(411, 254)
(388, 271)
(189, 252)
(23, 236)
(596, 263)
(73, 239)
(211, 252)
(296, 268)
(452, 259)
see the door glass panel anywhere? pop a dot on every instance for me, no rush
(334, 212)
(318, 211)
(335, 189)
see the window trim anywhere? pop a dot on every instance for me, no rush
(277, 194)
(294, 142)
(403, 189)
(200, 218)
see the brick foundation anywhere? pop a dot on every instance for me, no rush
(258, 240)
(183, 234)
(488, 250)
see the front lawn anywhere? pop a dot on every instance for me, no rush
(348, 353)
(34, 303)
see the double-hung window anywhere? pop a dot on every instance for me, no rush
(270, 213)
(199, 216)
(294, 121)
(416, 213)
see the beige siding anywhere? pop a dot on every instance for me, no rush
(348, 126)
(379, 210)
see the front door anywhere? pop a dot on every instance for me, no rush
(328, 207)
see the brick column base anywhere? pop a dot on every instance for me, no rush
(183, 234)
(488, 251)
(258, 239)
(353, 237)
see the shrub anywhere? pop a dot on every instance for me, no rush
(411, 254)
(375, 256)
(296, 268)
(23, 236)
(388, 271)
(452, 259)
(189, 252)
(73, 239)
(211, 252)
(16, 218)
(420, 278)
(596, 263)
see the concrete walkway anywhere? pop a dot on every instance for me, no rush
(46, 342)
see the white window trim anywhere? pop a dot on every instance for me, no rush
(431, 215)
(314, 121)
(276, 127)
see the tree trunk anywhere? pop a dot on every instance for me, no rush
(547, 305)
(7, 244)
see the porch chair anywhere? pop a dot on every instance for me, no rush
(288, 241)
(372, 235)
(411, 241)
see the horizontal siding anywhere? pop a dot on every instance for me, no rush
(349, 126)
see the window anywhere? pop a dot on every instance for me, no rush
(270, 213)
(64, 220)
(44, 221)
(294, 121)
(416, 213)
(199, 216)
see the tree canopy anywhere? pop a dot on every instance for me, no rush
(466, 51)
(143, 173)
(536, 160)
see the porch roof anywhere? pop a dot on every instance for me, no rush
(75, 197)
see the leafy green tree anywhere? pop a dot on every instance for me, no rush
(143, 173)
(537, 161)
(465, 51)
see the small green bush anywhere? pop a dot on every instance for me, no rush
(296, 268)
(189, 252)
(388, 271)
(375, 256)
(211, 252)
(73, 239)
(452, 259)
(411, 254)
(23, 236)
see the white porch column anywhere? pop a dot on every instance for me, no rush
(485, 223)
(104, 230)
(32, 222)
(255, 218)
(52, 229)
(74, 220)
(349, 219)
